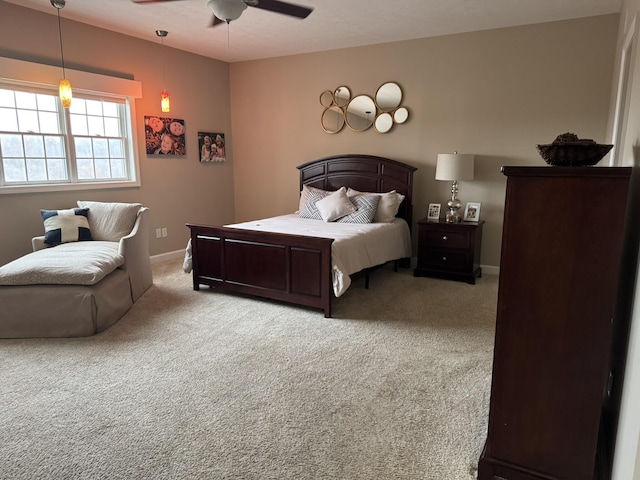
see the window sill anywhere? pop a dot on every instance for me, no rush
(67, 187)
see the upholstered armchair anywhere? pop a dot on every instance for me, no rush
(128, 225)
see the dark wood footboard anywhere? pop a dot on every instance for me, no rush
(289, 268)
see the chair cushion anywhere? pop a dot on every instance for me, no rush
(78, 263)
(110, 221)
(62, 226)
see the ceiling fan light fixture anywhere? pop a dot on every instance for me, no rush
(227, 10)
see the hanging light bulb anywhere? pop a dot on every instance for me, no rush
(165, 99)
(64, 88)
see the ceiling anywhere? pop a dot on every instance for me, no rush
(333, 24)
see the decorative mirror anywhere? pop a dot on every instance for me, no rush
(341, 96)
(401, 115)
(388, 96)
(326, 98)
(360, 113)
(332, 119)
(363, 111)
(384, 122)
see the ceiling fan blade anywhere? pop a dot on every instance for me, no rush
(282, 7)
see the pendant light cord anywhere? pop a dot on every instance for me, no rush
(162, 43)
(61, 50)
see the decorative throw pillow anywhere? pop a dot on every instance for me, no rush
(335, 205)
(62, 226)
(366, 209)
(304, 195)
(110, 221)
(387, 207)
(309, 210)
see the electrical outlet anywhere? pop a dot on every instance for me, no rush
(164, 232)
(158, 233)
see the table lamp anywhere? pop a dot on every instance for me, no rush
(453, 167)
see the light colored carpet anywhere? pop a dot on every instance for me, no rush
(204, 385)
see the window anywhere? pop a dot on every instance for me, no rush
(45, 147)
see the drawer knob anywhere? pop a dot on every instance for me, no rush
(444, 237)
(444, 259)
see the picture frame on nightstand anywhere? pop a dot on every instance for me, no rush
(433, 215)
(472, 212)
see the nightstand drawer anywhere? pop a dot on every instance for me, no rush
(446, 260)
(447, 239)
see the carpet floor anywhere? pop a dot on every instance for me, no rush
(206, 385)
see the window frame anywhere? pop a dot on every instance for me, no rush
(22, 75)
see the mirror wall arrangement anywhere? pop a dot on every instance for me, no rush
(361, 112)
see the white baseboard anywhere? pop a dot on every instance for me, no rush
(490, 269)
(164, 257)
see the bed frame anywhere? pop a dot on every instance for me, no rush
(293, 268)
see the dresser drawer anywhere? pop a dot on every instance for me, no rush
(446, 239)
(446, 260)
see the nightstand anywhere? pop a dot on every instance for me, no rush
(449, 250)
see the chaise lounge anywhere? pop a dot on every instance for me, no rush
(77, 288)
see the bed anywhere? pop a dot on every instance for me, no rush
(263, 258)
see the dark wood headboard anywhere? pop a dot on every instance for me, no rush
(365, 173)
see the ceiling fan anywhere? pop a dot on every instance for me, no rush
(225, 11)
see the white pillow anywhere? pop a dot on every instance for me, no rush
(387, 207)
(335, 205)
(110, 221)
(304, 195)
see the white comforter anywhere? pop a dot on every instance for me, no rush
(355, 247)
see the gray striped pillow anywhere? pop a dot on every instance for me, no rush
(366, 209)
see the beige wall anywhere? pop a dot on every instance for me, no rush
(494, 93)
(627, 141)
(178, 189)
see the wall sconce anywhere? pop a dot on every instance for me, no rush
(64, 88)
(453, 167)
(165, 100)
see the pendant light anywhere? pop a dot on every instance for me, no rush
(64, 88)
(165, 100)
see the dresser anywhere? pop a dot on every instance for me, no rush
(556, 323)
(449, 250)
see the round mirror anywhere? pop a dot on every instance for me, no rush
(326, 98)
(388, 96)
(360, 113)
(341, 96)
(401, 115)
(332, 119)
(384, 122)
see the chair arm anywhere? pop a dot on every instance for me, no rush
(135, 250)
(37, 243)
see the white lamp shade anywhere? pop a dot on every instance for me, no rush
(454, 166)
(227, 10)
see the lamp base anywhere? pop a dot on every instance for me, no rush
(453, 217)
(454, 205)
